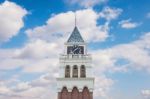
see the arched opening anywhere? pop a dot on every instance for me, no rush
(75, 71)
(67, 71)
(82, 71)
(85, 93)
(75, 93)
(64, 93)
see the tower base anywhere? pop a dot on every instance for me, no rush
(75, 94)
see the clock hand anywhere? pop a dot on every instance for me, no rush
(75, 49)
(79, 51)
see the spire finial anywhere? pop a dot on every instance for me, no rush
(75, 19)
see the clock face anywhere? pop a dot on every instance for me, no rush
(75, 49)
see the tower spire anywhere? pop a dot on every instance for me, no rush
(75, 35)
(75, 19)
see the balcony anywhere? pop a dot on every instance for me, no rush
(75, 57)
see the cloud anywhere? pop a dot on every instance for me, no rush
(124, 57)
(110, 13)
(38, 49)
(4, 90)
(107, 61)
(127, 24)
(102, 86)
(34, 54)
(148, 15)
(85, 3)
(46, 84)
(11, 17)
(60, 25)
(146, 94)
(31, 90)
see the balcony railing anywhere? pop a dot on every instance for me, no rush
(76, 56)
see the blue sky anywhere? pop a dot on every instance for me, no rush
(32, 34)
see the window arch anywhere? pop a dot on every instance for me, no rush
(64, 93)
(75, 71)
(82, 71)
(75, 93)
(67, 71)
(86, 93)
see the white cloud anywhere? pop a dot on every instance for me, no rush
(44, 80)
(148, 15)
(42, 65)
(46, 84)
(85, 3)
(59, 27)
(146, 94)
(31, 90)
(102, 86)
(110, 13)
(10, 63)
(106, 60)
(128, 24)
(39, 49)
(4, 90)
(134, 55)
(11, 19)
(22, 86)
(35, 56)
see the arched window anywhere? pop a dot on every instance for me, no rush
(82, 71)
(75, 71)
(67, 71)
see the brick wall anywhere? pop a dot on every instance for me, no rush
(75, 94)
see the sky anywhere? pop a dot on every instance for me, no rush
(32, 36)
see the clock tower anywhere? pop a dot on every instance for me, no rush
(76, 79)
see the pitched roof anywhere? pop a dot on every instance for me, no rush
(75, 36)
